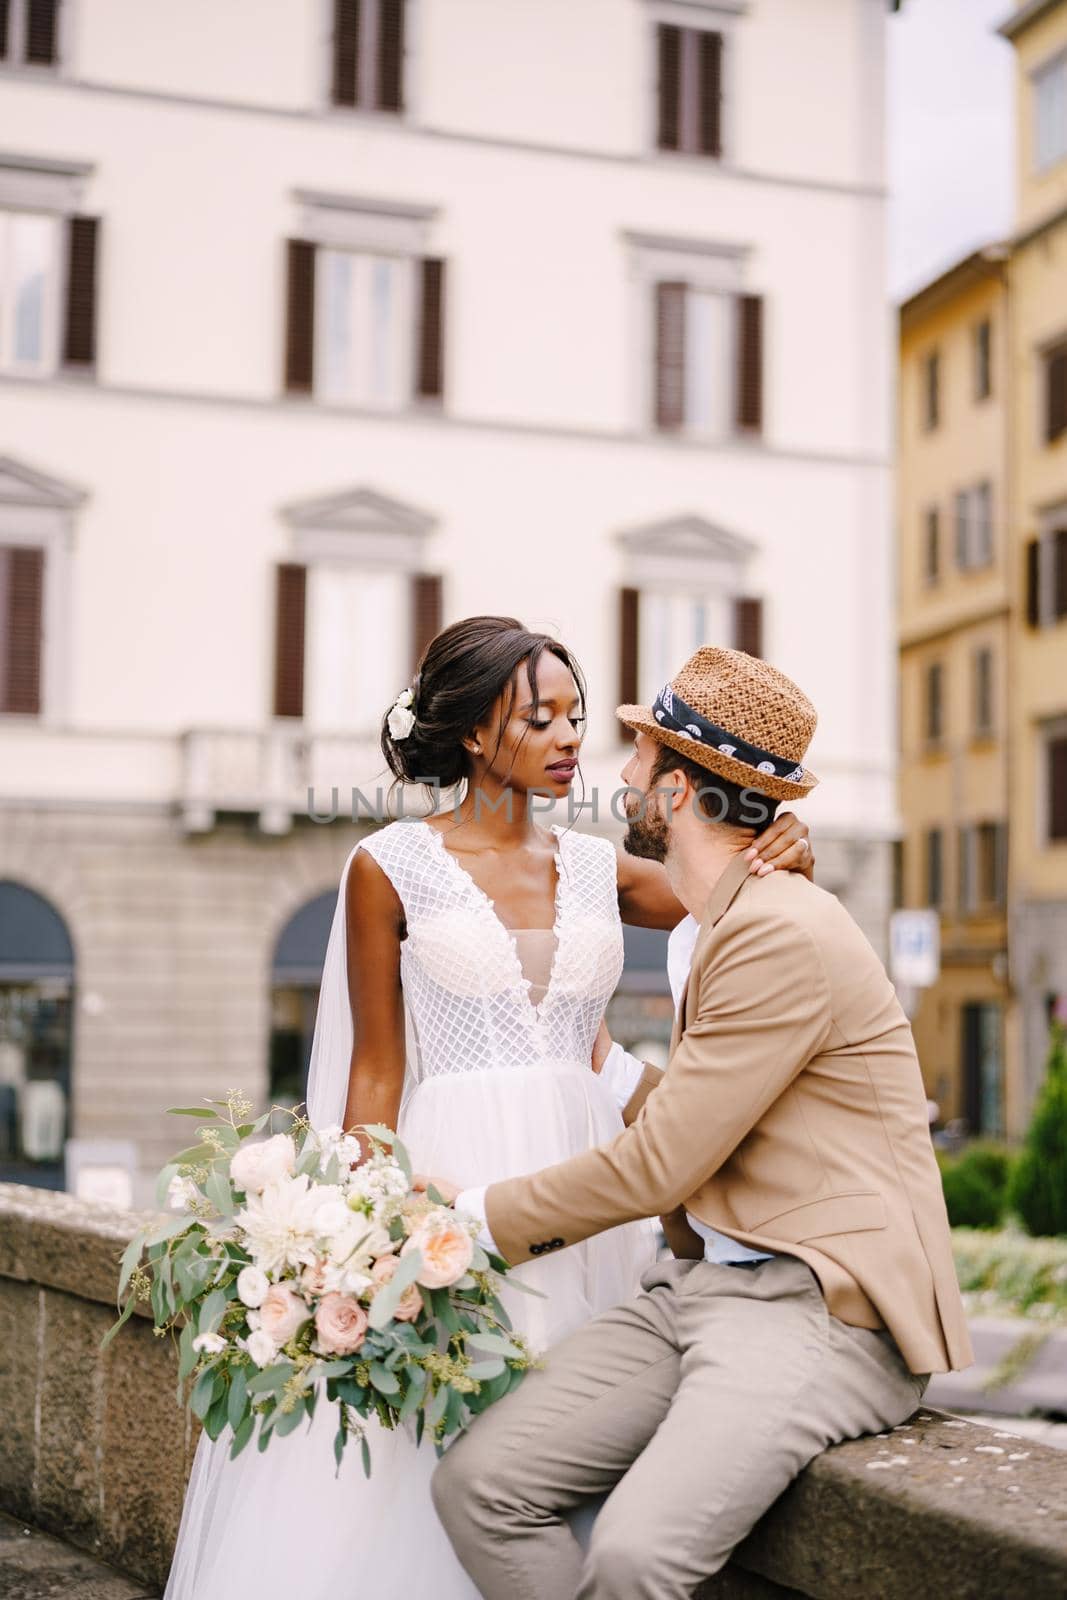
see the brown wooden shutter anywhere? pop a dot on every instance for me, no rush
(748, 626)
(1033, 582)
(22, 589)
(79, 341)
(3, 29)
(711, 94)
(670, 355)
(429, 377)
(1056, 382)
(345, 51)
(750, 363)
(391, 55)
(41, 32)
(426, 590)
(669, 48)
(290, 593)
(629, 614)
(300, 317)
(1057, 788)
(1059, 574)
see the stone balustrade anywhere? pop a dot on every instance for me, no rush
(97, 1450)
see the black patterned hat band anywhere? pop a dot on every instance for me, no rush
(672, 713)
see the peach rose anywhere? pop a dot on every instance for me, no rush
(446, 1247)
(410, 1303)
(341, 1324)
(282, 1312)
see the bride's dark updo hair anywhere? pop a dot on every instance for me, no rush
(461, 673)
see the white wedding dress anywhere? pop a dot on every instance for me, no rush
(499, 1082)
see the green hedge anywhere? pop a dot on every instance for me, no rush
(1037, 1192)
(976, 1185)
(1009, 1274)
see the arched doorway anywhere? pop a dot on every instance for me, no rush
(295, 976)
(36, 998)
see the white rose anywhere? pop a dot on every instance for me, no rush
(261, 1347)
(255, 1165)
(252, 1286)
(407, 698)
(401, 722)
(253, 1319)
(211, 1343)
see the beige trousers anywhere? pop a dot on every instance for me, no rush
(695, 1405)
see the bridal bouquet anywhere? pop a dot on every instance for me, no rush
(288, 1272)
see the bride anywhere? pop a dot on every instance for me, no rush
(502, 942)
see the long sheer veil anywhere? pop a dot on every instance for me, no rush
(331, 1046)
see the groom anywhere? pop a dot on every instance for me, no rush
(787, 1140)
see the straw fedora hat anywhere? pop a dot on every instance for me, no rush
(737, 716)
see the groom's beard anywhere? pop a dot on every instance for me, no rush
(647, 835)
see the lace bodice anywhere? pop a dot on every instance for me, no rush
(463, 981)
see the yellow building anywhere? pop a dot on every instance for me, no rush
(1037, 407)
(954, 594)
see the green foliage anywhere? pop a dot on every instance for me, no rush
(1038, 1190)
(1008, 1273)
(976, 1186)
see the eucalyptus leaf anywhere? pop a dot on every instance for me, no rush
(290, 1419)
(364, 1449)
(216, 1418)
(384, 1381)
(211, 1310)
(276, 1376)
(220, 1192)
(237, 1396)
(203, 1391)
(130, 1257)
(187, 1356)
(127, 1313)
(482, 1371)
(496, 1345)
(242, 1435)
(191, 1111)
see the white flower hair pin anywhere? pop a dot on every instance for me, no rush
(401, 718)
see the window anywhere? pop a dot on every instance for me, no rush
(982, 666)
(934, 720)
(1046, 574)
(353, 610)
(47, 303)
(935, 867)
(982, 1034)
(689, 90)
(686, 585)
(931, 391)
(898, 879)
(1056, 785)
(708, 361)
(1050, 113)
(368, 54)
(974, 527)
(365, 311)
(983, 848)
(983, 360)
(1055, 393)
(21, 604)
(29, 33)
(932, 545)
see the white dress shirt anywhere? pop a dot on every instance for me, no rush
(622, 1073)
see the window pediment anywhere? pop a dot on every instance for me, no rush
(22, 485)
(362, 526)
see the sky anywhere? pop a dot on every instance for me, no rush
(951, 135)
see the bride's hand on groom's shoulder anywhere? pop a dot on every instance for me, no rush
(783, 847)
(448, 1192)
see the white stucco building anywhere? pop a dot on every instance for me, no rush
(321, 323)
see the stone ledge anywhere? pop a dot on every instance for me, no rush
(34, 1566)
(885, 1518)
(939, 1507)
(51, 1239)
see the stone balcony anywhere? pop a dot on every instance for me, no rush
(275, 774)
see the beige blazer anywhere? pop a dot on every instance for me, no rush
(790, 1116)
